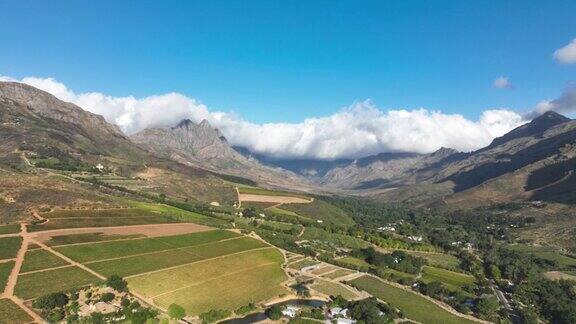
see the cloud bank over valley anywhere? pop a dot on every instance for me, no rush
(357, 130)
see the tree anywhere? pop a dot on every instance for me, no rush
(107, 297)
(176, 312)
(488, 307)
(274, 313)
(117, 283)
(495, 272)
(50, 301)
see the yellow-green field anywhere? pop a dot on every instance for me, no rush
(219, 283)
(215, 269)
(37, 284)
(412, 305)
(5, 269)
(333, 289)
(10, 313)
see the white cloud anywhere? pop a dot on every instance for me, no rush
(502, 83)
(565, 104)
(566, 54)
(355, 131)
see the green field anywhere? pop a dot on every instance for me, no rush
(337, 274)
(180, 214)
(41, 259)
(9, 229)
(37, 284)
(11, 313)
(302, 264)
(150, 262)
(5, 269)
(92, 213)
(71, 222)
(355, 262)
(221, 283)
(440, 260)
(546, 253)
(452, 280)
(9, 247)
(413, 306)
(266, 192)
(315, 233)
(320, 210)
(332, 289)
(87, 238)
(116, 249)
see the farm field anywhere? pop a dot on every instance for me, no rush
(557, 275)
(5, 269)
(71, 222)
(33, 285)
(452, 280)
(12, 313)
(87, 238)
(115, 249)
(40, 259)
(9, 247)
(413, 306)
(333, 289)
(9, 229)
(297, 265)
(441, 260)
(320, 210)
(219, 283)
(338, 274)
(546, 253)
(315, 233)
(130, 266)
(356, 262)
(92, 213)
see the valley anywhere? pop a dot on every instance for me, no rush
(173, 224)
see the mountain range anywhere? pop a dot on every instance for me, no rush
(195, 161)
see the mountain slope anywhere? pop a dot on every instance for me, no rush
(530, 162)
(38, 130)
(203, 146)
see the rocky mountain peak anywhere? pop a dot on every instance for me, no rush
(443, 152)
(535, 128)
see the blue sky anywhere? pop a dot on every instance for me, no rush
(272, 61)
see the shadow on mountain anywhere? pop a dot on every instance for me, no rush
(376, 183)
(508, 163)
(554, 183)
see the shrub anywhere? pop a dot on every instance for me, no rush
(274, 313)
(50, 301)
(117, 283)
(107, 297)
(176, 311)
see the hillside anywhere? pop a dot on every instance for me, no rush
(48, 142)
(530, 162)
